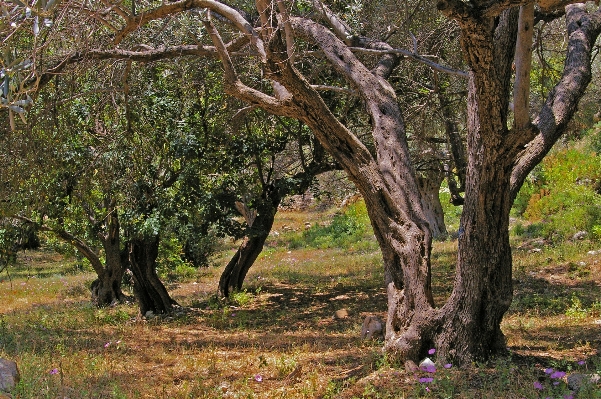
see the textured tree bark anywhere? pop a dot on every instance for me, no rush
(235, 272)
(429, 188)
(106, 290)
(149, 291)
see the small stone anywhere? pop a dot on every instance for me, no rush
(341, 314)
(9, 375)
(149, 314)
(427, 362)
(373, 328)
(535, 250)
(575, 381)
(578, 380)
(593, 253)
(579, 236)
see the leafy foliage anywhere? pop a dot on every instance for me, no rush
(564, 195)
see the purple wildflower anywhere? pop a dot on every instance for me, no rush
(569, 396)
(425, 380)
(548, 371)
(558, 374)
(581, 362)
(107, 344)
(432, 351)
(448, 366)
(54, 371)
(429, 369)
(538, 386)
(258, 378)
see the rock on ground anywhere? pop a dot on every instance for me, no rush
(373, 328)
(9, 375)
(341, 314)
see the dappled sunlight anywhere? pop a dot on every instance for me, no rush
(278, 337)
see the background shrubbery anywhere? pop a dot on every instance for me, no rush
(348, 228)
(562, 196)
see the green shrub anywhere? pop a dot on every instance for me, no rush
(563, 198)
(345, 230)
(171, 265)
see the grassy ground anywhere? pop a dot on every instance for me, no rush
(278, 338)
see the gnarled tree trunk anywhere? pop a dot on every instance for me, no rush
(234, 273)
(106, 289)
(149, 291)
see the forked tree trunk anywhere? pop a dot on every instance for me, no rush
(106, 289)
(149, 291)
(467, 326)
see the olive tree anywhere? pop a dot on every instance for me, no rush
(266, 56)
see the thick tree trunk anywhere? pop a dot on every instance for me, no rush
(467, 327)
(483, 286)
(235, 272)
(149, 291)
(106, 290)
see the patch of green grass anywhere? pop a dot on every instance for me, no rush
(348, 229)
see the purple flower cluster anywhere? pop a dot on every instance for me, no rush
(430, 368)
(556, 377)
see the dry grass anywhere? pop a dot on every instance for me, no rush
(278, 339)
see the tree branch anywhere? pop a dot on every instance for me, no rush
(562, 101)
(523, 63)
(184, 5)
(336, 89)
(118, 54)
(233, 85)
(420, 58)
(81, 246)
(285, 21)
(340, 28)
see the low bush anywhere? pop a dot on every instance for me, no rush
(347, 228)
